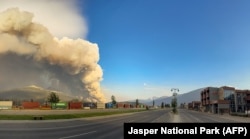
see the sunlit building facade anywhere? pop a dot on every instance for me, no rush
(225, 100)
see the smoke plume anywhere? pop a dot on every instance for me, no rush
(30, 54)
(63, 18)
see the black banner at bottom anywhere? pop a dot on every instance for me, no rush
(163, 130)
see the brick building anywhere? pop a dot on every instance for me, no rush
(216, 100)
(225, 99)
(194, 105)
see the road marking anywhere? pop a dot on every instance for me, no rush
(129, 121)
(157, 119)
(62, 127)
(77, 135)
(73, 126)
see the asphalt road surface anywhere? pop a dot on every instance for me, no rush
(107, 127)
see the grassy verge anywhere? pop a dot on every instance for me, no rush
(69, 116)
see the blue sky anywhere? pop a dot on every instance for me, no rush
(148, 47)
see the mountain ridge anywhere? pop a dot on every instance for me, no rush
(31, 93)
(186, 98)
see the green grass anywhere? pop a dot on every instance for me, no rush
(69, 116)
(16, 117)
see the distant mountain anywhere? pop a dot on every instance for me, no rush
(32, 92)
(181, 98)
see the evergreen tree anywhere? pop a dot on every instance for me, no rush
(136, 102)
(162, 105)
(53, 98)
(113, 99)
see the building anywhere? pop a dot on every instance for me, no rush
(240, 102)
(194, 105)
(30, 105)
(6, 104)
(207, 95)
(225, 100)
(216, 100)
(75, 105)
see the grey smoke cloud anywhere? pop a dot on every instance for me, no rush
(30, 54)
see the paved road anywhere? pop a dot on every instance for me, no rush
(187, 116)
(54, 112)
(101, 127)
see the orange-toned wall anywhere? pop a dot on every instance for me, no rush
(30, 105)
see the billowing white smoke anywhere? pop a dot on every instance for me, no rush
(61, 17)
(30, 54)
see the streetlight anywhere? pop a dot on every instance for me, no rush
(174, 90)
(174, 100)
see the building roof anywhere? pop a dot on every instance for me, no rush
(227, 87)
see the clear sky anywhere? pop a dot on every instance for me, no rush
(148, 47)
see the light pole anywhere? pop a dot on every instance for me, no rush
(174, 90)
(153, 102)
(174, 100)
